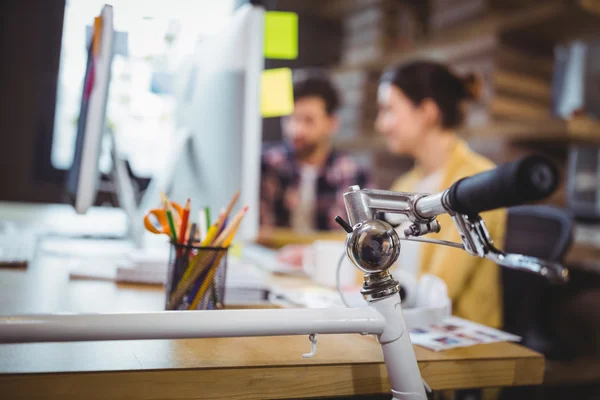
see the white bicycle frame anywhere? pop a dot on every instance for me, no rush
(382, 318)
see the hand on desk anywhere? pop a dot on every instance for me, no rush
(292, 254)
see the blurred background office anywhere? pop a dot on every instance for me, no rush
(539, 64)
(44, 58)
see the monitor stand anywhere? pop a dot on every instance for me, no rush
(126, 195)
(91, 225)
(146, 257)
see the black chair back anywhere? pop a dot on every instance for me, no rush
(539, 231)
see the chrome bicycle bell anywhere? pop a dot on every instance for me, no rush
(373, 246)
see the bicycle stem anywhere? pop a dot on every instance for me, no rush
(363, 205)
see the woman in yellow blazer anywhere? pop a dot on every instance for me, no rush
(420, 109)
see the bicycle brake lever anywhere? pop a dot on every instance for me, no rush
(552, 271)
(477, 241)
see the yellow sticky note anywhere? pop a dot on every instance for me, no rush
(277, 93)
(281, 35)
(236, 250)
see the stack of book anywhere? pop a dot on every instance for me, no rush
(517, 85)
(443, 14)
(576, 80)
(371, 32)
(522, 86)
(339, 9)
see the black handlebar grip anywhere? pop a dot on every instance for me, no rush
(530, 179)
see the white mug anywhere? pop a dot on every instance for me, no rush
(321, 260)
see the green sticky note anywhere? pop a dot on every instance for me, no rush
(277, 93)
(281, 35)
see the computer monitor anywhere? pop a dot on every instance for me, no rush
(218, 139)
(84, 175)
(219, 122)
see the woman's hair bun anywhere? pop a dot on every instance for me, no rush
(425, 79)
(473, 85)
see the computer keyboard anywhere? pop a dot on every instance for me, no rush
(17, 250)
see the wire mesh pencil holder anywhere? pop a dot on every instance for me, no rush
(196, 278)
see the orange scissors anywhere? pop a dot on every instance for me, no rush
(156, 220)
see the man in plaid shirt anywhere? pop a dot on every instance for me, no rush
(303, 179)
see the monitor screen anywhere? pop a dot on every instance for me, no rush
(73, 172)
(84, 175)
(217, 94)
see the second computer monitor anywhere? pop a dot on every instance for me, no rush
(218, 114)
(84, 176)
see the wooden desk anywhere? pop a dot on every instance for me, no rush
(240, 368)
(584, 257)
(279, 237)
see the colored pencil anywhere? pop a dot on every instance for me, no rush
(231, 227)
(202, 260)
(210, 235)
(169, 217)
(184, 222)
(230, 206)
(208, 220)
(192, 237)
(209, 279)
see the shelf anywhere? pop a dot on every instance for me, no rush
(453, 43)
(576, 23)
(576, 130)
(584, 129)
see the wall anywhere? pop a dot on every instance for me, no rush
(30, 40)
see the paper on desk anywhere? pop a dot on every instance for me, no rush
(456, 332)
(241, 275)
(432, 304)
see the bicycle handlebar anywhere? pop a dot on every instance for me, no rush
(530, 179)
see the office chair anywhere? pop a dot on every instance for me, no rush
(539, 231)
